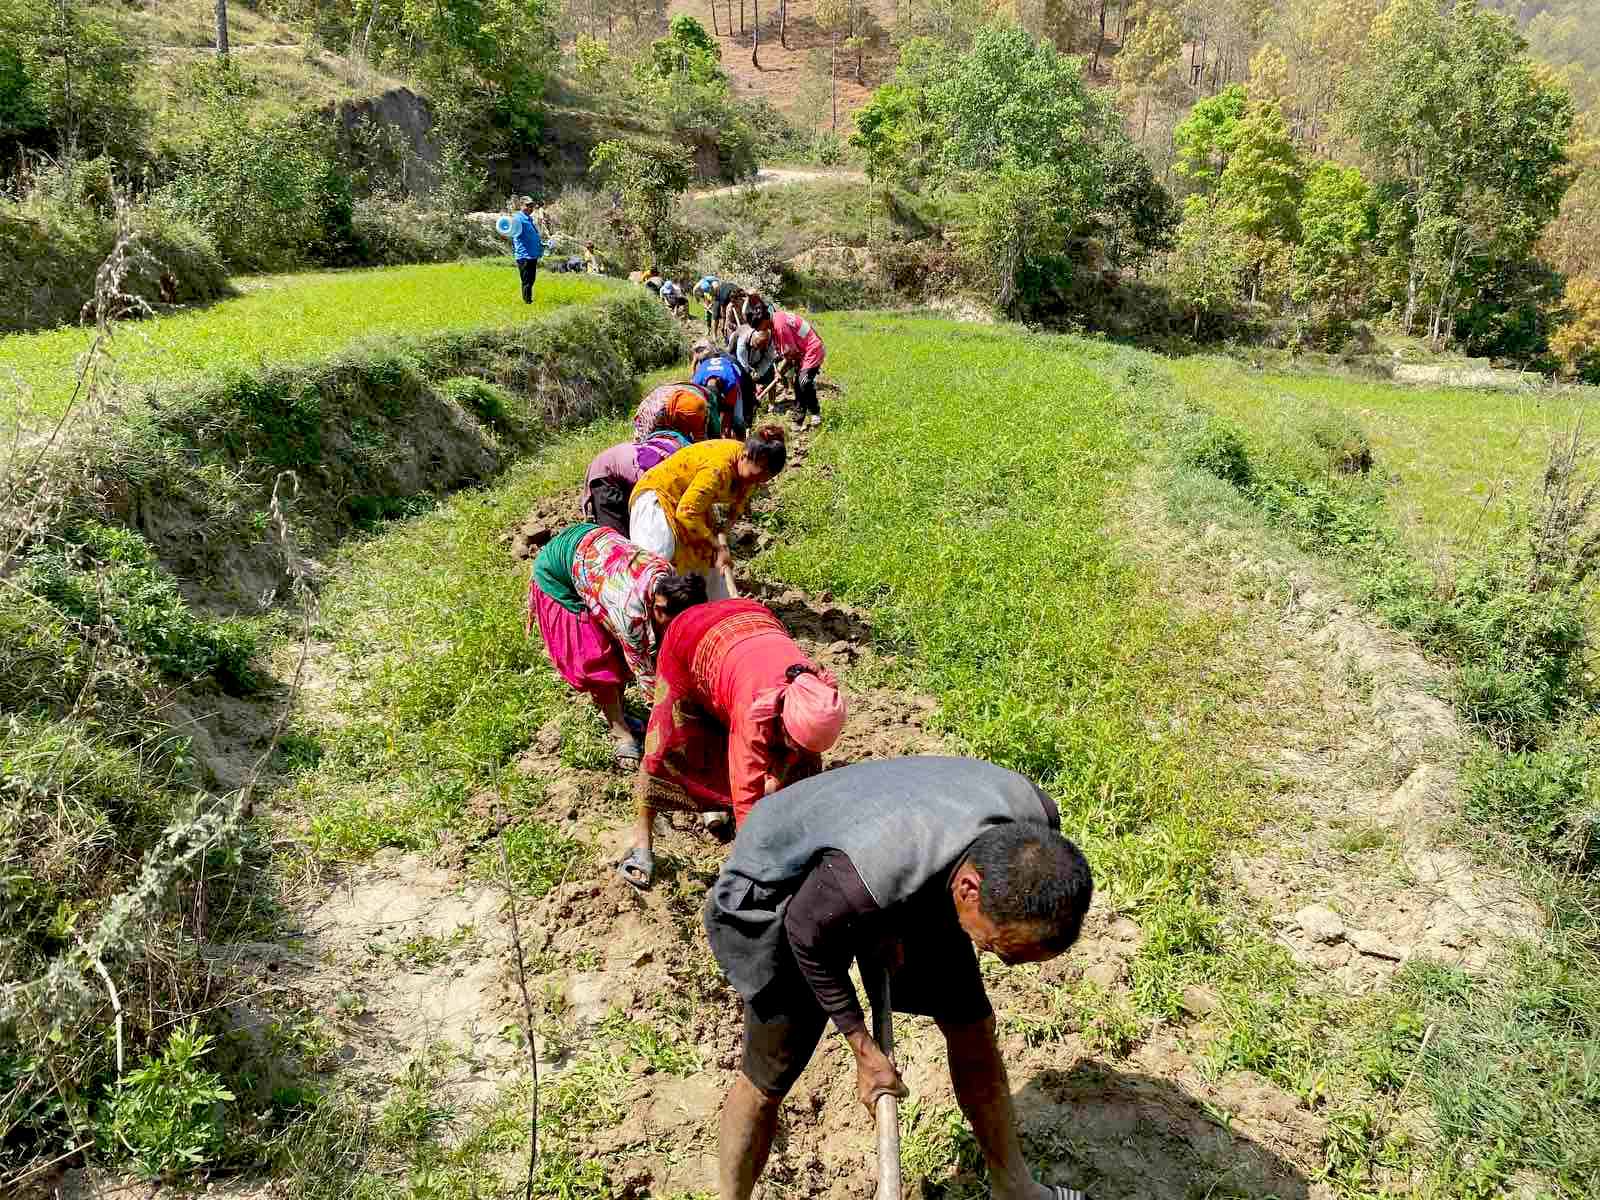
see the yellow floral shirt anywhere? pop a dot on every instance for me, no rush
(688, 484)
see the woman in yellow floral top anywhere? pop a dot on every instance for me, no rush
(673, 504)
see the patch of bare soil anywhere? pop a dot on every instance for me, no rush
(1358, 874)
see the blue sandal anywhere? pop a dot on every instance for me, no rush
(638, 868)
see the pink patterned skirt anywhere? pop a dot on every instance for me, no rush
(584, 654)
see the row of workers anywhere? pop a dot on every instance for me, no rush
(908, 867)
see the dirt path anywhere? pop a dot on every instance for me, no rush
(776, 176)
(412, 960)
(1359, 874)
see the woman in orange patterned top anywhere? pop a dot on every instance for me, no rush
(740, 711)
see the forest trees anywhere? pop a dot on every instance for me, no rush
(67, 82)
(1011, 133)
(646, 182)
(1469, 144)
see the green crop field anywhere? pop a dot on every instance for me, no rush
(995, 560)
(284, 317)
(1448, 455)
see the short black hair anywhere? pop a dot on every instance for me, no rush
(679, 592)
(1034, 876)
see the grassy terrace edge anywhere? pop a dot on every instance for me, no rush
(131, 646)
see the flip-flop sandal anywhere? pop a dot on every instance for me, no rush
(627, 755)
(638, 868)
(722, 828)
(1057, 1192)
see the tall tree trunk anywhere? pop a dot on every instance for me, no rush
(366, 37)
(741, 18)
(1100, 44)
(833, 79)
(222, 28)
(783, 23)
(715, 28)
(755, 35)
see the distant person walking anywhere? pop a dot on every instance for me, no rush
(529, 247)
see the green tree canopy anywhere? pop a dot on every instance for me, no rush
(1468, 139)
(646, 181)
(1261, 186)
(1206, 139)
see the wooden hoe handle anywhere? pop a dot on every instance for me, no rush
(888, 1111)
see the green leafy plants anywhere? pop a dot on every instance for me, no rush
(166, 1115)
(108, 574)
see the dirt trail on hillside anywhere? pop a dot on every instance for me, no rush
(406, 951)
(778, 176)
(1358, 875)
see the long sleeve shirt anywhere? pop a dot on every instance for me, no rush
(689, 485)
(756, 364)
(794, 335)
(833, 920)
(525, 237)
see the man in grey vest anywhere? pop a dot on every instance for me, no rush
(910, 866)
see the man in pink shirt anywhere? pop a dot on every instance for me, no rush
(798, 342)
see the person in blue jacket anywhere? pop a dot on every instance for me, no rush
(529, 247)
(721, 375)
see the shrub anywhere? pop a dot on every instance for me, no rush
(1543, 799)
(1577, 343)
(108, 574)
(269, 191)
(54, 241)
(166, 1115)
(390, 233)
(1218, 447)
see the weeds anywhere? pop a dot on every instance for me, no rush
(165, 1116)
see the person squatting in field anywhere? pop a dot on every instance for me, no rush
(527, 247)
(739, 712)
(602, 605)
(673, 508)
(909, 866)
(679, 407)
(733, 395)
(608, 485)
(672, 295)
(801, 347)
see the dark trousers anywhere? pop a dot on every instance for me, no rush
(528, 268)
(607, 503)
(805, 391)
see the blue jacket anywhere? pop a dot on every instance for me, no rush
(525, 237)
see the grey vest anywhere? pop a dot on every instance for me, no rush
(901, 822)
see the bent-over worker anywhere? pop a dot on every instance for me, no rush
(721, 377)
(909, 866)
(672, 511)
(721, 308)
(602, 605)
(681, 407)
(798, 342)
(608, 485)
(740, 711)
(753, 350)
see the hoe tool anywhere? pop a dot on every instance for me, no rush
(888, 1107)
